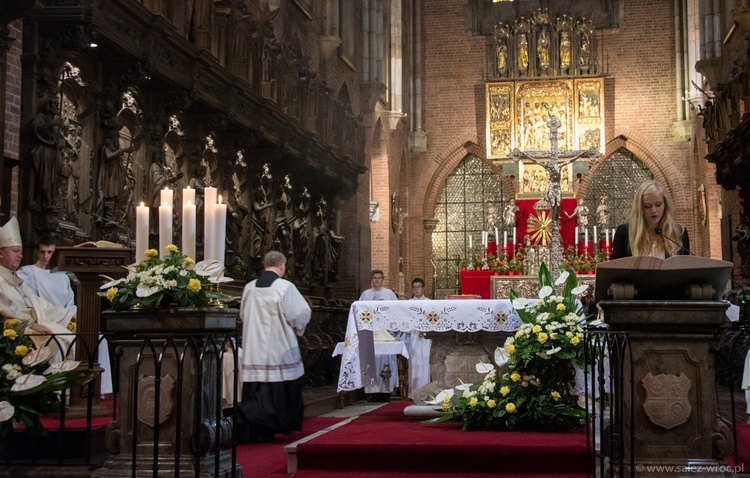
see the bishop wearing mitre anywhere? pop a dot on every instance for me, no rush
(42, 318)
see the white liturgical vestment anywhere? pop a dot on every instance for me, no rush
(272, 318)
(18, 303)
(51, 286)
(383, 293)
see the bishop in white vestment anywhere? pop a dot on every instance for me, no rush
(42, 318)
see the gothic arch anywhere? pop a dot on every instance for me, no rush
(657, 162)
(455, 153)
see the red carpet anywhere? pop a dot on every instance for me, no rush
(385, 440)
(269, 460)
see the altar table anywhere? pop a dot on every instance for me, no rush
(357, 362)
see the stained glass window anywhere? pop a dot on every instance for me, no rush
(469, 198)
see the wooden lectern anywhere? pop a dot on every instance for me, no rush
(88, 263)
(670, 311)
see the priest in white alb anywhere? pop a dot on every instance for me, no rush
(41, 281)
(42, 318)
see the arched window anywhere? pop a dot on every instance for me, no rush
(463, 207)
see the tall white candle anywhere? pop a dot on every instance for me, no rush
(188, 229)
(497, 237)
(167, 195)
(141, 231)
(209, 212)
(220, 225)
(470, 242)
(505, 239)
(606, 237)
(576, 238)
(613, 235)
(514, 237)
(165, 227)
(596, 236)
(586, 238)
(188, 196)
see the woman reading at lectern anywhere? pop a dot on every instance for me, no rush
(652, 229)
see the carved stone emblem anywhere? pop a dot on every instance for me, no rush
(667, 403)
(147, 399)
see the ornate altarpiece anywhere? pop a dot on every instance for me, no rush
(517, 112)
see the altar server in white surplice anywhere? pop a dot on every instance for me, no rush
(419, 361)
(378, 292)
(42, 318)
(273, 314)
(39, 280)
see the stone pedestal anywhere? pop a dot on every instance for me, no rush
(170, 400)
(675, 420)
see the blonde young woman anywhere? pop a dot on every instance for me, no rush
(652, 229)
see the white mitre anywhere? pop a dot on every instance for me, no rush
(10, 234)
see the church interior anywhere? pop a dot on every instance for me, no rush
(406, 136)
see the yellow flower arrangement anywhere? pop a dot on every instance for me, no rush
(175, 280)
(538, 391)
(29, 386)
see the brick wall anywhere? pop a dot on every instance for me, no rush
(638, 62)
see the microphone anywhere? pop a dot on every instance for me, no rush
(682, 248)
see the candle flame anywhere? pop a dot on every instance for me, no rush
(166, 188)
(142, 204)
(219, 198)
(188, 187)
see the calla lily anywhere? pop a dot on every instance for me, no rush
(209, 268)
(448, 392)
(553, 351)
(579, 290)
(519, 303)
(545, 291)
(6, 411)
(563, 277)
(145, 291)
(482, 367)
(35, 357)
(111, 283)
(501, 356)
(220, 280)
(25, 382)
(64, 366)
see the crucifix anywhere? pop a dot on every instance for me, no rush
(553, 166)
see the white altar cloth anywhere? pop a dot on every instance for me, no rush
(381, 348)
(406, 315)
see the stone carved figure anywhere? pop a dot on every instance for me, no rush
(602, 213)
(159, 176)
(112, 176)
(327, 247)
(263, 214)
(509, 215)
(73, 172)
(301, 235)
(284, 218)
(542, 49)
(564, 50)
(582, 211)
(48, 141)
(523, 53)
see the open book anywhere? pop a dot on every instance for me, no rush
(102, 244)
